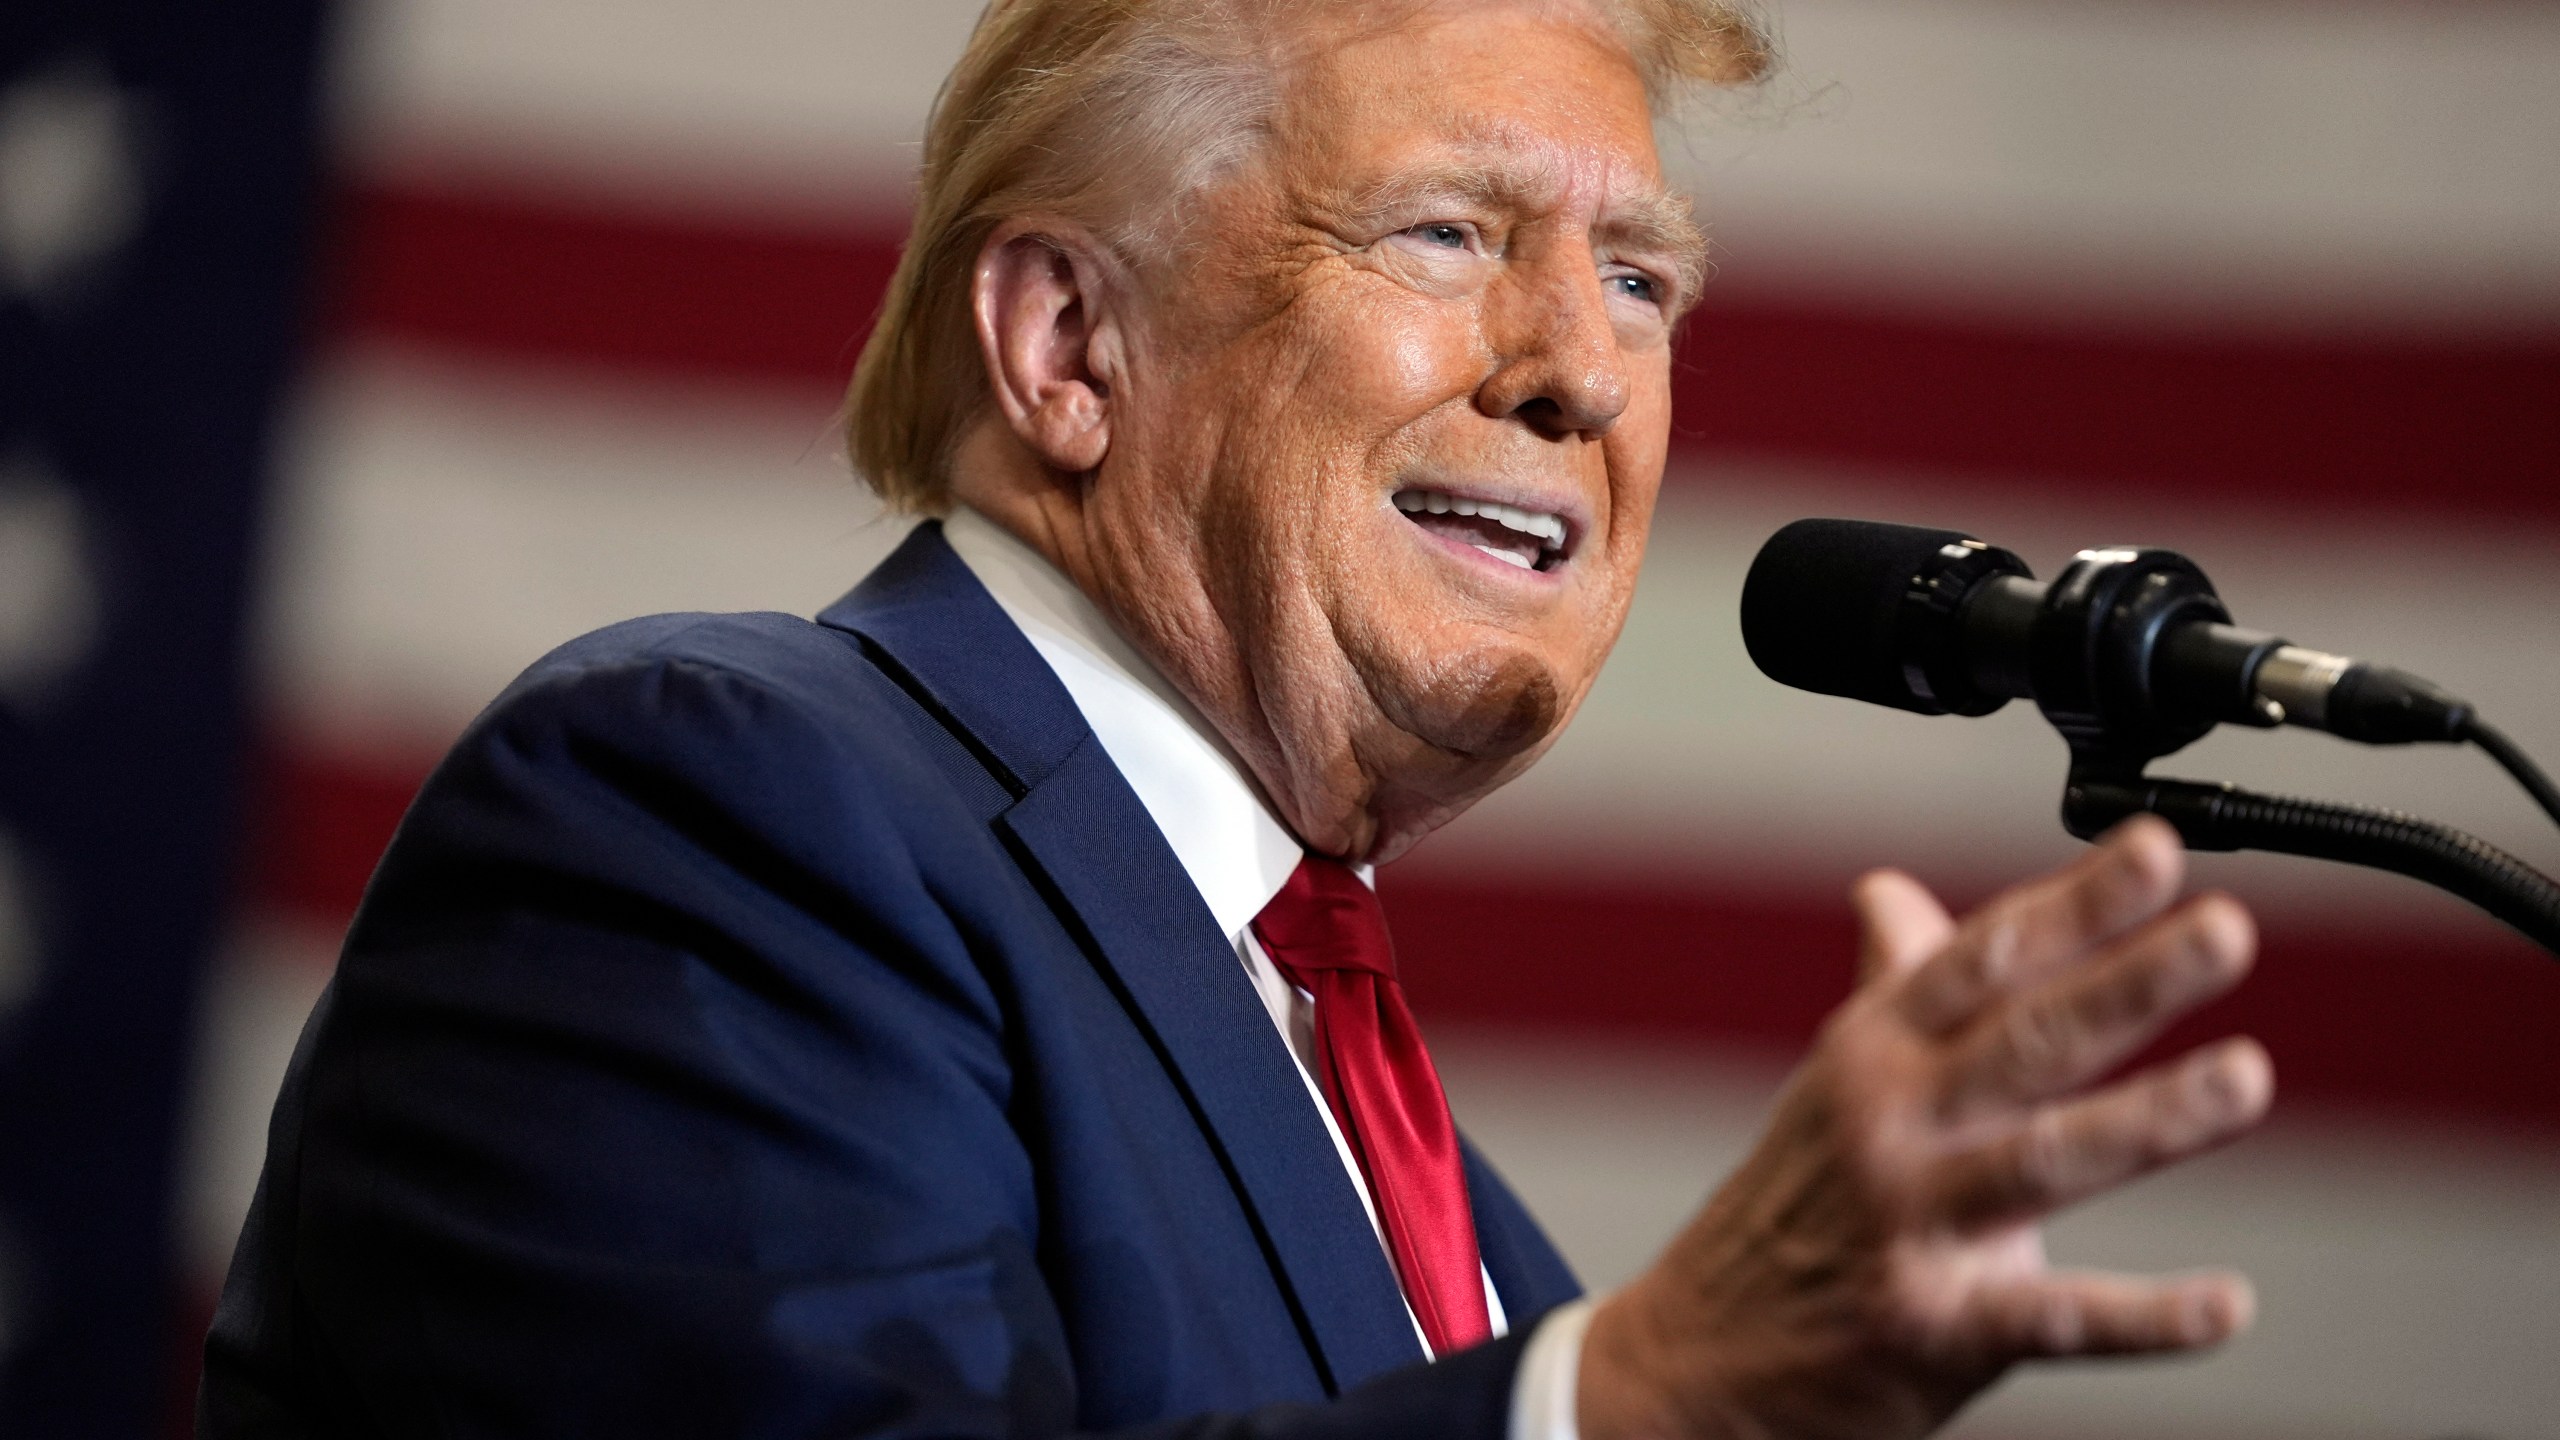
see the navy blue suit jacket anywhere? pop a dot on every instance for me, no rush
(766, 1028)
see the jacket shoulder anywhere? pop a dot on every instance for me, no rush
(794, 661)
(743, 695)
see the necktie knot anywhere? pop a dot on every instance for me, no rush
(1326, 918)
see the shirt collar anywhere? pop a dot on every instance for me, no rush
(1235, 850)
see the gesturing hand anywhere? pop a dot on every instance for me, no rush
(1877, 1260)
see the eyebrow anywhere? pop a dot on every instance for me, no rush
(1652, 219)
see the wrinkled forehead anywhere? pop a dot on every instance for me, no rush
(1539, 101)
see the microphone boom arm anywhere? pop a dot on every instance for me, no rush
(2225, 817)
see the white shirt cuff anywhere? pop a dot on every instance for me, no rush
(1542, 1393)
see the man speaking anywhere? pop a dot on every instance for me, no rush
(968, 1015)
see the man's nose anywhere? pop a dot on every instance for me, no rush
(1558, 364)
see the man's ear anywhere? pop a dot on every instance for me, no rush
(1040, 300)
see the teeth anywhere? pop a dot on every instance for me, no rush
(1509, 557)
(1547, 529)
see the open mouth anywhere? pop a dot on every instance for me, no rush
(1528, 539)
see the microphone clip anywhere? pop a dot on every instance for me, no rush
(2093, 659)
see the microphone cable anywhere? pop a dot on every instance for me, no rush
(2511, 758)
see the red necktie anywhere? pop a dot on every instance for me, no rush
(1327, 933)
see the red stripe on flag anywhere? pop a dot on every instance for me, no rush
(2437, 425)
(2447, 425)
(2455, 1026)
(490, 270)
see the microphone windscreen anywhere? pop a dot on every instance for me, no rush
(1820, 609)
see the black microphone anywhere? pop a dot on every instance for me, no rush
(2131, 655)
(2128, 651)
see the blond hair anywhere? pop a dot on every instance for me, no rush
(1063, 106)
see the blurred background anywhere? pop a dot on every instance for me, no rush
(353, 355)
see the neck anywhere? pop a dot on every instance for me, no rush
(1169, 623)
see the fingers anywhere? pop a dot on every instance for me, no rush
(1900, 923)
(2067, 1152)
(2016, 939)
(2079, 1313)
(2081, 1023)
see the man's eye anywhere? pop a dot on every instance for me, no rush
(1452, 237)
(1637, 287)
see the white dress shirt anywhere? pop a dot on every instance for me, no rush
(1237, 854)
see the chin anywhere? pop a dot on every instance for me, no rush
(1473, 692)
(1449, 730)
(1482, 709)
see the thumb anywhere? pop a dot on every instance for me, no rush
(1900, 923)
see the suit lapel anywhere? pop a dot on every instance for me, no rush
(937, 630)
(1088, 834)
(1527, 1273)
(1083, 832)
